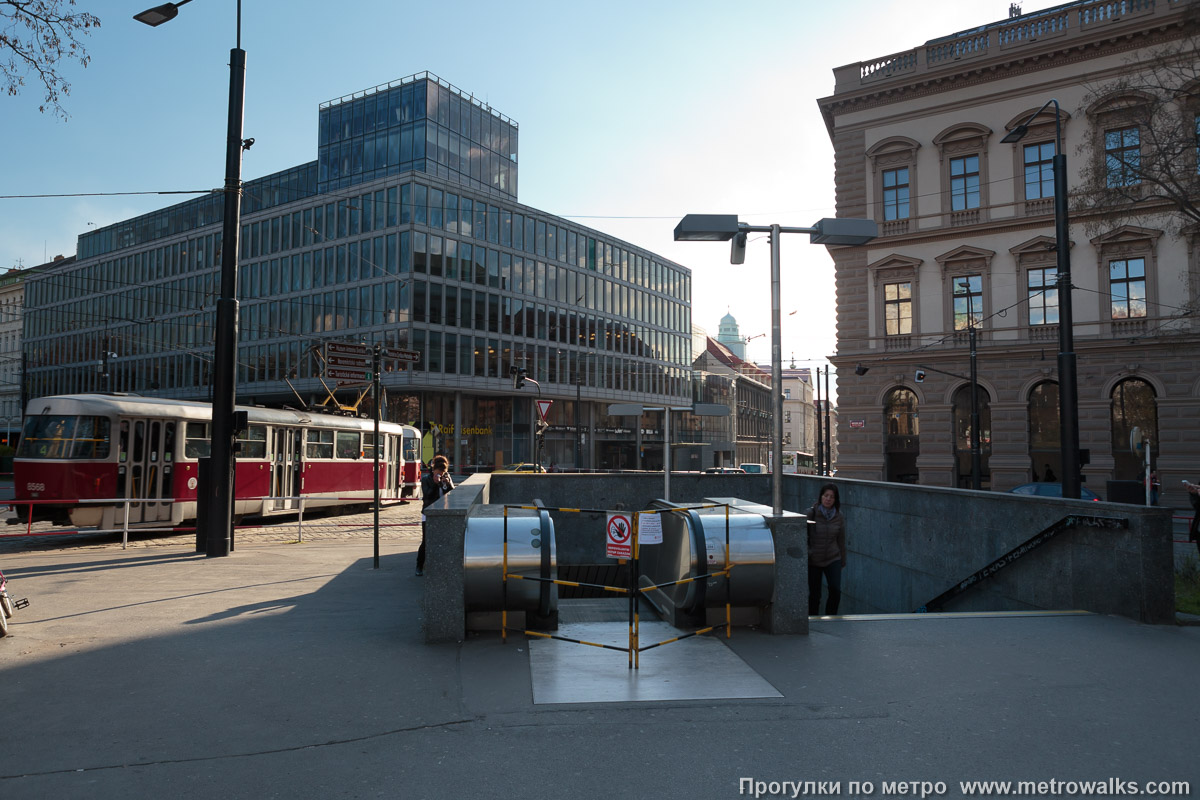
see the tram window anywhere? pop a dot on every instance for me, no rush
(196, 444)
(348, 445)
(320, 444)
(139, 441)
(92, 437)
(47, 436)
(253, 443)
(168, 441)
(412, 449)
(368, 446)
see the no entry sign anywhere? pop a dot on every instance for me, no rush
(618, 536)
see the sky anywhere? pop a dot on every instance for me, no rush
(631, 115)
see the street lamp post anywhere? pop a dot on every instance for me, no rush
(1068, 387)
(218, 495)
(725, 227)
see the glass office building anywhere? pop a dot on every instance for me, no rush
(405, 231)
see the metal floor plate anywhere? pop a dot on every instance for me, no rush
(698, 668)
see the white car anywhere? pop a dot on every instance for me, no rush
(755, 469)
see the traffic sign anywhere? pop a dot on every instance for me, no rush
(618, 532)
(543, 407)
(349, 361)
(348, 374)
(409, 356)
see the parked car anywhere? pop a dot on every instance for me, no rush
(520, 468)
(1043, 489)
(754, 469)
(725, 471)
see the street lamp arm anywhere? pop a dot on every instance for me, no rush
(943, 372)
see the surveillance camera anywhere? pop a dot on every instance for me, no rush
(247, 143)
(920, 376)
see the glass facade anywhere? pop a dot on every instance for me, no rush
(418, 123)
(447, 266)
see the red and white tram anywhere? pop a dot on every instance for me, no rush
(81, 450)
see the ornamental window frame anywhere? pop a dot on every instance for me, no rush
(1041, 132)
(1038, 253)
(890, 270)
(963, 262)
(1124, 243)
(894, 153)
(961, 141)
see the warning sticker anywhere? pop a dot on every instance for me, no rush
(649, 528)
(618, 536)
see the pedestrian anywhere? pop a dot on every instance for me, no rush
(1048, 476)
(433, 486)
(826, 550)
(1154, 487)
(1194, 528)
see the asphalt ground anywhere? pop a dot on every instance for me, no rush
(298, 670)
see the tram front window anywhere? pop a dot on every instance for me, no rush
(59, 436)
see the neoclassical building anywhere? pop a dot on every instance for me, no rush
(968, 242)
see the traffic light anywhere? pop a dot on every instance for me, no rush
(519, 378)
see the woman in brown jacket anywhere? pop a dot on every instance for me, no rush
(826, 550)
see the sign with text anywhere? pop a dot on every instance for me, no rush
(618, 536)
(347, 349)
(348, 374)
(407, 356)
(361, 362)
(858, 423)
(649, 528)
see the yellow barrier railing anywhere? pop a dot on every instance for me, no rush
(633, 591)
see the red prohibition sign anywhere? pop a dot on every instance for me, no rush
(619, 530)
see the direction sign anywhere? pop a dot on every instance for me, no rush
(348, 374)
(410, 356)
(348, 348)
(360, 362)
(543, 407)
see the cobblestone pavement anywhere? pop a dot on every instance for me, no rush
(396, 523)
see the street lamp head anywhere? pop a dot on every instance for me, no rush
(1016, 134)
(843, 231)
(707, 228)
(860, 370)
(159, 14)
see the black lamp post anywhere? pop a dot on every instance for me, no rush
(1068, 387)
(217, 496)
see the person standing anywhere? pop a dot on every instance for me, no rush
(433, 486)
(826, 550)
(1194, 499)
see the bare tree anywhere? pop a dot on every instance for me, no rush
(1141, 155)
(36, 36)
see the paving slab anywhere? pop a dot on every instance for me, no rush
(297, 670)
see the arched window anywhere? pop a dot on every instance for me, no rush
(1133, 406)
(1045, 447)
(903, 441)
(962, 436)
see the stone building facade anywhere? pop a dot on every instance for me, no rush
(967, 240)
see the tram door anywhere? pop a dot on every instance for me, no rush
(285, 468)
(145, 463)
(395, 480)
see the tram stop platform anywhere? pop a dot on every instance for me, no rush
(297, 670)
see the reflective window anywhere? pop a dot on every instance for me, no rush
(1127, 286)
(1122, 157)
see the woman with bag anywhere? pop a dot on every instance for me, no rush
(826, 550)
